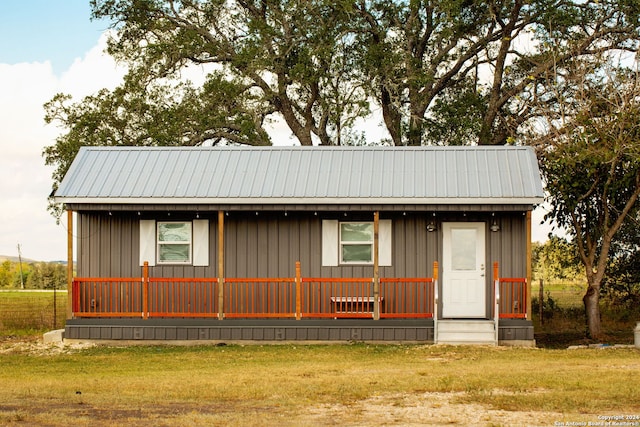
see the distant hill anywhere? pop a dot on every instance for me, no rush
(25, 260)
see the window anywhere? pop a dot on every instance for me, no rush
(356, 242)
(349, 243)
(174, 242)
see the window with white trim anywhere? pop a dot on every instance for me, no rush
(350, 243)
(356, 242)
(156, 251)
(174, 242)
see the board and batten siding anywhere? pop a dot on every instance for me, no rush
(269, 244)
(111, 247)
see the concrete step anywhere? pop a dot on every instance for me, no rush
(466, 332)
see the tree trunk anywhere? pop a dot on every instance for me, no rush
(592, 309)
(414, 137)
(391, 117)
(303, 133)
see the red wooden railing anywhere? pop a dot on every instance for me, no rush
(182, 297)
(108, 297)
(259, 298)
(513, 298)
(337, 298)
(510, 296)
(296, 297)
(407, 298)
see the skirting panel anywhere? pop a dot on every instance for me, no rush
(274, 330)
(253, 333)
(515, 333)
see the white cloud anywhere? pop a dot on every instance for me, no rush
(95, 71)
(25, 182)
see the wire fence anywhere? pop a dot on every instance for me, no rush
(32, 310)
(563, 294)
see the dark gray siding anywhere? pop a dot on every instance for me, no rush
(108, 245)
(268, 244)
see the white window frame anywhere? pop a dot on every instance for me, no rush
(331, 244)
(177, 242)
(342, 243)
(199, 236)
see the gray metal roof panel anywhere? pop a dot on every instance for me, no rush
(301, 174)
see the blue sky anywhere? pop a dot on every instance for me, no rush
(46, 47)
(39, 30)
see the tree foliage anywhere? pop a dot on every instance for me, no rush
(47, 275)
(556, 259)
(488, 58)
(440, 72)
(590, 159)
(35, 275)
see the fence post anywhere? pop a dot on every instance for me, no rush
(298, 292)
(145, 290)
(541, 302)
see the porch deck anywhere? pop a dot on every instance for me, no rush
(273, 309)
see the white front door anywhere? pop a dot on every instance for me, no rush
(463, 275)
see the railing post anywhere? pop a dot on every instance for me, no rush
(526, 304)
(298, 292)
(496, 278)
(145, 290)
(70, 288)
(435, 301)
(75, 293)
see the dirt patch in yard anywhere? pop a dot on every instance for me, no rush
(427, 409)
(36, 347)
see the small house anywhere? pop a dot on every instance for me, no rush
(316, 244)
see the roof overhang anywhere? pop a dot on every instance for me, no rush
(301, 201)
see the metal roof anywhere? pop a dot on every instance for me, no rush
(303, 175)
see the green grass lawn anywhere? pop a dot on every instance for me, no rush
(296, 385)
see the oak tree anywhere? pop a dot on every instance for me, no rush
(590, 159)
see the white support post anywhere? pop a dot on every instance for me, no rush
(436, 275)
(497, 308)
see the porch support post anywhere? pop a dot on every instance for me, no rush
(298, 291)
(528, 284)
(376, 259)
(436, 273)
(496, 290)
(145, 290)
(70, 295)
(220, 265)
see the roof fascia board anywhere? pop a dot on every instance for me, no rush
(304, 201)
